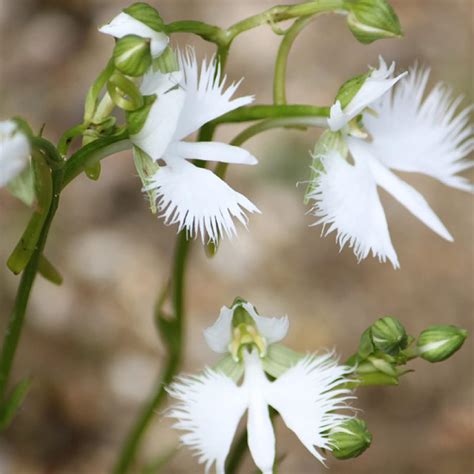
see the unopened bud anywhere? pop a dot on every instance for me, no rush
(370, 20)
(389, 336)
(350, 439)
(438, 343)
(132, 55)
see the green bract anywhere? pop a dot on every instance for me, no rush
(132, 55)
(146, 14)
(350, 88)
(370, 20)
(437, 343)
(350, 439)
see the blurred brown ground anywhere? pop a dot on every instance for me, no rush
(90, 345)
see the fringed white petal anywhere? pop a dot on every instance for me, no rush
(14, 151)
(379, 82)
(409, 197)
(212, 151)
(423, 135)
(206, 95)
(346, 201)
(160, 125)
(209, 409)
(218, 336)
(124, 24)
(308, 400)
(273, 329)
(198, 201)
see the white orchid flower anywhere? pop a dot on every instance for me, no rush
(306, 393)
(193, 197)
(407, 133)
(14, 151)
(124, 24)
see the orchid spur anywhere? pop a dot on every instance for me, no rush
(383, 129)
(306, 391)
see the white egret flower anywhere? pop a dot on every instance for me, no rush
(194, 198)
(14, 151)
(125, 24)
(408, 132)
(306, 392)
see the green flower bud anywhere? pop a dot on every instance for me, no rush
(350, 439)
(132, 55)
(389, 336)
(370, 20)
(438, 343)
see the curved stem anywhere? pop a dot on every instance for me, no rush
(260, 112)
(260, 127)
(279, 80)
(15, 323)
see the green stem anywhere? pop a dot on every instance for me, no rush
(260, 112)
(279, 80)
(15, 323)
(172, 365)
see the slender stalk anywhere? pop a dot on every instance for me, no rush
(15, 323)
(172, 365)
(279, 78)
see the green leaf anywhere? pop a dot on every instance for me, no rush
(366, 346)
(48, 271)
(9, 408)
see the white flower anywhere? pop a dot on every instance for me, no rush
(307, 396)
(124, 24)
(14, 151)
(408, 133)
(378, 82)
(193, 197)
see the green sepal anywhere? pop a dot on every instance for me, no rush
(10, 407)
(124, 93)
(350, 88)
(166, 62)
(370, 20)
(211, 249)
(132, 55)
(24, 249)
(350, 439)
(48, 271)
(93, 171)
(366, 347)
(147, 15)
(136, 119)
(146, 168)
(23, 186)
(439, 342)
(376, 378)
(382, 365)
(328, 141)
(230, 368)
(279, 359)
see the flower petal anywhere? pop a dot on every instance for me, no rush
(209, 409)
(346, 200)
(423, 136)
(206, 96)
(306, 398)
(160, 125)
(124, 24)
(212, 151)
(379, 82)
(219, 335)
(401, 191)
(155, 82)
(273, 329)
(260, 434)
(198, 200)
(14, 151)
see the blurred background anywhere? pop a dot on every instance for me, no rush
(91, 346)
